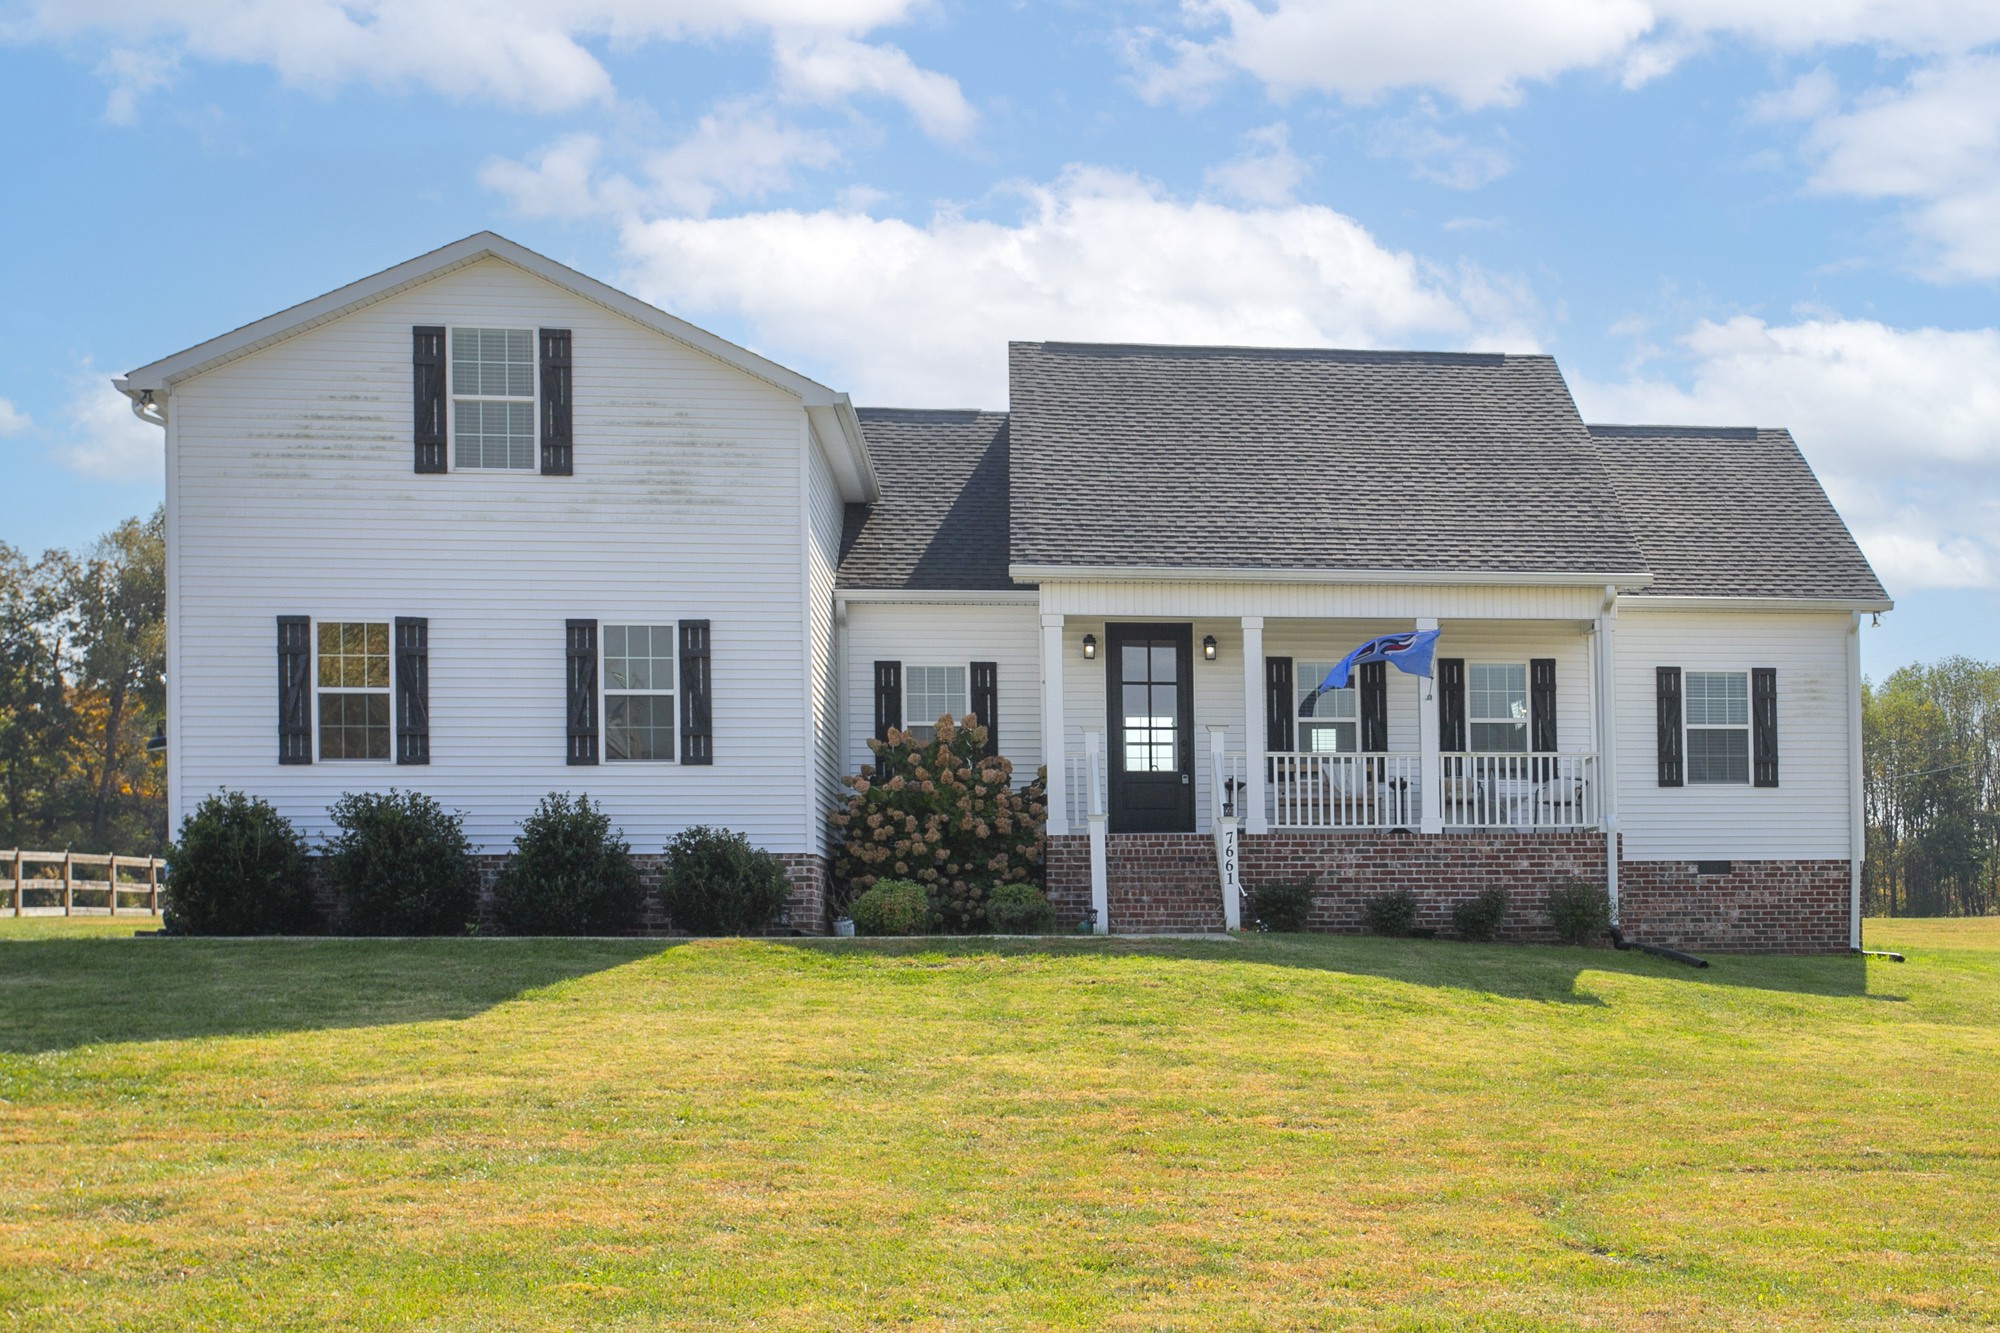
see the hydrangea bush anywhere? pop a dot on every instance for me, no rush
(944, 814)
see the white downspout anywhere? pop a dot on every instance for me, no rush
(1607, 739)
(1857, 834)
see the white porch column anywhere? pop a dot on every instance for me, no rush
(1429, 764)
(1252, 811)
(1607, 740)
(1053, 738)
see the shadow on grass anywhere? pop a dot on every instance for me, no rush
(56, 994)
(1517, 972)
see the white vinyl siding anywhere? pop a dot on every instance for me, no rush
(294, 485)
(1807, 815)
(825, 513)
(1006, 634)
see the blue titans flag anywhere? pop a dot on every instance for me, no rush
(1409, 652)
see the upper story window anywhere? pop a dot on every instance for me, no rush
(932, 692)
(353, 677)
(1496, 707)
(1718, 726)
(1329, 720)
(639, 666)
(493, 398)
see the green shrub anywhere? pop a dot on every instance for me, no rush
(571, 874)
(237, 868)
(1392, 913)
(1019, 909)
(1284, 908)
(401, 865)
(943, 814)
(1579, 910)
(715, 883)
(891, 907)
(1479, 917)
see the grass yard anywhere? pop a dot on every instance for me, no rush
(1272, 1133)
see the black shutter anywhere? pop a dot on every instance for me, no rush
(295, 690)
(1764, 726)
(888, 698)
(1542, 705)
(1451, 704)
(557, 451)
(1667, 697)
(427, 362)
(581, 638)
(1375, 707)
(986, 702)
(697, 726)
(1278, 705)
(413, 690)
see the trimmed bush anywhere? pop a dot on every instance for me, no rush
(1282, 908)
(716, 883)
(1579, 910)
(943, 814)
(401, 865)
(1393, 913)
(1019, 909)
(891, 907)
(1479, 917)
(237, 868)
(571, 874)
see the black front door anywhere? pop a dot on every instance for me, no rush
(1151, 689)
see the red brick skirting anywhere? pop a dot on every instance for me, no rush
(804, 914)
(1757, 907)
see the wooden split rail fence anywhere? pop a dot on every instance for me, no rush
(62, 888)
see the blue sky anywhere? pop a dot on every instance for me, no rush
(1765, 212)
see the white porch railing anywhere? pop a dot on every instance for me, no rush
(1525, 791)
(1083, 788)
(1344, 791)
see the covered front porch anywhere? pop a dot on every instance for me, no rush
(1194, 744)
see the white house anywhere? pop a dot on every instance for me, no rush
(484, 526)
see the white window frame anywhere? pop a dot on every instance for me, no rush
(360, 618)
(1689, 728)
(604, 690)
(910, 724)
(1304, 679)
(1526, 721)
(452, 398)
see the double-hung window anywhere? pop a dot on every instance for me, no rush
(353, 688)
(493, 398)
(932, 692)
(1329, 720)
(1718, 727)
(639, 664)
(1496, 707)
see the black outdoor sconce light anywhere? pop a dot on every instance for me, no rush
(1090, 647)
(1208, 647)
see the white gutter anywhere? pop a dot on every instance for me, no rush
(1234, 574)
(1681, 602)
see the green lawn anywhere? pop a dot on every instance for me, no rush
(1272, 1133)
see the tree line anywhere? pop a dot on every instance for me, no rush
(1931, 783)
(82, 689)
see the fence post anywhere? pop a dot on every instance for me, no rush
(20, 889)
(68, 892)
(111, 878)
(153, 884)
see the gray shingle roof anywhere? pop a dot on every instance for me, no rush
(942, 519)
(1216, 457)
(1731, 513)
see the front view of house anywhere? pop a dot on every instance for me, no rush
(482, 526)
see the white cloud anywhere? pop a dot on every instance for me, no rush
(831, 69)
(1903, 426)
(100, 437)
(1451, 160)
(1266, 172)
(12, 419)
(133, 74)
(920, 315)
(1481, 54)
(530, 53)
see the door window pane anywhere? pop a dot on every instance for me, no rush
(1149, 700)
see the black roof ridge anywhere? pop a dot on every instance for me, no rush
(1686, 432)
(1359, 355)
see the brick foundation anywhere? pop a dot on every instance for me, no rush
(1758, 907)
(804, 914)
